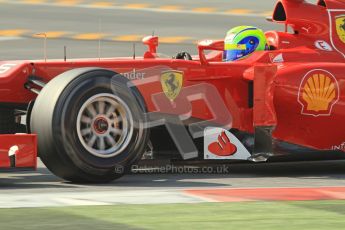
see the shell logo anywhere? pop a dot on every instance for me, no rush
(318, 93)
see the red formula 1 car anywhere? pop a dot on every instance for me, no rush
(96, 118)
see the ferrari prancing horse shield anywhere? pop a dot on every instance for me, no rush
(337, 30)
(172, 83)
(340, 26)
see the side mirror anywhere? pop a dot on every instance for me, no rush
(209, 45)
(152, 44)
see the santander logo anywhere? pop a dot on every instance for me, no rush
(223, 146)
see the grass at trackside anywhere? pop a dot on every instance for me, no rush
(313, 215)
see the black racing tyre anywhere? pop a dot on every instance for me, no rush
(7, 121)
(90, 125)
(28, 115)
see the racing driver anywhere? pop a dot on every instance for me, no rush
(242, 41)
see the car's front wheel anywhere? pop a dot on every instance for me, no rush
(90, 125)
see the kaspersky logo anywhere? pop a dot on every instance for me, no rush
(318, 93)
(221, 144)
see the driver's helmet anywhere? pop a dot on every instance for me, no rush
(241, 41)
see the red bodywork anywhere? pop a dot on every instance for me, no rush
(299, 85)
(18, 151)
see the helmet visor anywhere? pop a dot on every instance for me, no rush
(244, 47)
(232, 55)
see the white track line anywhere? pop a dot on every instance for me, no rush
(59, 199)
(10, 38)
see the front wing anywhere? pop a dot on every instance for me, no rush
(18, 151)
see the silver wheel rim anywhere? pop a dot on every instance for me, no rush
(104, 125)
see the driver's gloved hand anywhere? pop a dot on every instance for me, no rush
(183, 55)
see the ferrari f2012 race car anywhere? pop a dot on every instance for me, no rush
(95, 118)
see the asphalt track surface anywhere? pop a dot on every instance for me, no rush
(181, 27)
(41, 188)
(79, 28)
